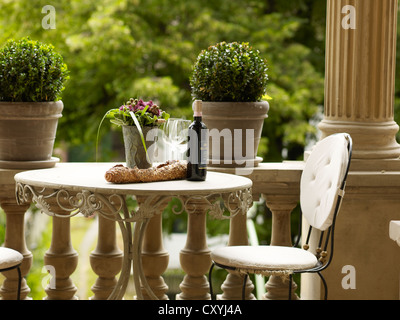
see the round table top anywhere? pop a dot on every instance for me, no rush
(76, 176)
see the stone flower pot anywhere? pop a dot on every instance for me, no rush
(228, 124)
(27, 133)
(135, 153)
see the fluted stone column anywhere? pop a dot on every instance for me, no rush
(360, 75)
(359, 99)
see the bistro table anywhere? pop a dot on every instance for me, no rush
(81, 188)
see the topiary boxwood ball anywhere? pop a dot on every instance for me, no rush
(232, 72)
(31, 72)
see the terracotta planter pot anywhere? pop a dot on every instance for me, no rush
(235, 132)
(28, 130)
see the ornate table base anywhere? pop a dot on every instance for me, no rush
(112, 206)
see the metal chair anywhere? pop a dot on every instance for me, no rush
(11, 259)
(321, 191)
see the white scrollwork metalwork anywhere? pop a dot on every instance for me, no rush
(240, 201)
(83, 202)
(219, 206)
(114, 207)
(42, 205)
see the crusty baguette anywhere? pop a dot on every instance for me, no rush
(170, 170)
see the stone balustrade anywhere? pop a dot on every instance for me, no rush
(278, 183)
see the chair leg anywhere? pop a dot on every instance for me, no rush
(290, 286)
(19, 279)
(325, 286)
(210, 281)
(19, 283)
(244, 286)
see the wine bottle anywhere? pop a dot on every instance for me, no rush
(197, 146)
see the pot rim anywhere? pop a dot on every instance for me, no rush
(235, 110)
(31, 110)
(263, 102)
(30, 102)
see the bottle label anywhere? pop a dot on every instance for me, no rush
(203, 149)
(203, 155)
(198, 148)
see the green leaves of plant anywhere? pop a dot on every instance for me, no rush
(124, 118)
(31, 71)
(136, 121)
(229, 72)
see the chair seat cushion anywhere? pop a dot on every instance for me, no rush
(257, 259)
(9, 258)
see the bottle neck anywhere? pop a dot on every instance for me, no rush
(197, 118)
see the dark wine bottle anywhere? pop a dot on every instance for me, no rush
(197, 146)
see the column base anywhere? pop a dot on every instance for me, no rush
(371, 140)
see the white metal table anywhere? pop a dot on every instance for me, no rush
(82, 188)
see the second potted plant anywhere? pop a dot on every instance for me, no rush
(231, 79)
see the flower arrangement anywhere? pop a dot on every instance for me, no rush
(137, 112)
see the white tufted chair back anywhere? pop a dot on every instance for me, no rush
(322, 179)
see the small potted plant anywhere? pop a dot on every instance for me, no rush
(32, 77)
(231, 79)
(137, 118)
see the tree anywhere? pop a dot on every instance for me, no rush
(116, 49)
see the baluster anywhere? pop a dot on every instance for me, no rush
(195, 257)
(15, 239)
(14, 234)
(233, 284)
(61, 257)
(281, 207)
(106, 259)
(155, 258)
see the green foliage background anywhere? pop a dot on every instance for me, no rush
(116, 49)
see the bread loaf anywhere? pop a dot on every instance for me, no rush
(170, 170)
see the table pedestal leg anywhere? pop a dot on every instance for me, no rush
(195, 258)
(120, 288)
(106, 259)
(15, 239)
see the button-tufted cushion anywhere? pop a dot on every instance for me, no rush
(9, 258)
(264, 258)
(321, 180)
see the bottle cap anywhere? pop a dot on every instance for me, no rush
(197, 108)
